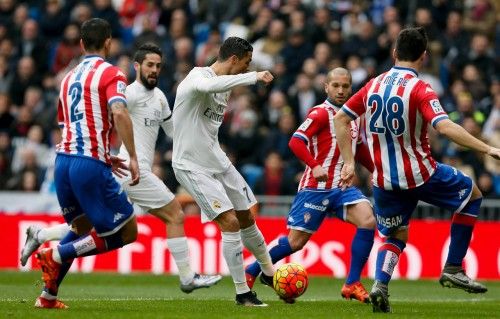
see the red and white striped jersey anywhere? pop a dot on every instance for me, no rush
(318, 132)
(398, 107)
(83, 114)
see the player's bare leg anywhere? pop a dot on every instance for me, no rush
(360, 215)
(173, 216)
(232, 249)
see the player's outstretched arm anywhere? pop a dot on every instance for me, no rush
(124, 129)
(459, 135)
(342, 123)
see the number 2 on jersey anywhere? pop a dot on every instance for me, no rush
(391, 112)
(75, 92)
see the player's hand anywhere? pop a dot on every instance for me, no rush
(494, 152)
(319, 173)
(134, 170)
(346, 175)
(265, 76)
(118, 166)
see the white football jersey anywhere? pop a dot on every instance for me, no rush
(199, 109)
(148, 110)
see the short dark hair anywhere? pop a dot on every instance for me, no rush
(146, 49)
(234, 46)
(94, 33)
(411, 44)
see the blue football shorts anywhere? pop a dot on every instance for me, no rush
(311, 206)
(447, 188)
(86, 186)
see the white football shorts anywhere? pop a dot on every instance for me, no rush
(150, 193)
(217, 193)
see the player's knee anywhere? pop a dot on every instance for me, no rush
(228, 222)
(368, 221)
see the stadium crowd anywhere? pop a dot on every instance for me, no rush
(298, 41)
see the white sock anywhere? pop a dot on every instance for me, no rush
(232, 249)
(254, 241)
(56, 232)
(179, 249)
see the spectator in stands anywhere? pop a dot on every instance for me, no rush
(275, 179)
(302, 95)
(31, 44)
(6, 75)
(480, 16)
(295, 52)
(104, 9)
(25, 77)
(266, 48)
(53, 20)
(68, 50)
(6, 118)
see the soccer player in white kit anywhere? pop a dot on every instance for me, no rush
(204, 170)
(148, 108)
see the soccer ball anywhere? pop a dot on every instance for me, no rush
(290, 281)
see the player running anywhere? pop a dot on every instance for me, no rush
(398, 107)
(148, 108)
(91, 101)
(204, 170)
(319, 194)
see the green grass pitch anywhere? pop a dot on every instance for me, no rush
(106, 296)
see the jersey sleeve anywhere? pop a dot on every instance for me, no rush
(355, 106)
(315, 120)
(115, 85)
(428, 103)
(166, 117)
(131, 97)
(60, 114)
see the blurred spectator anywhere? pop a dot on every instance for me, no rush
(53, 20)
(480, 54)
(480, 16)
(278, 138)
(81, 12)
(68, 49)
(31, 44)
(294, 53)
(20, 16)
(363, 43)
(6, 118)
(492, 124)
(276, 105)
(6, 75)
(266, 48)
(485, 185)
(275, 180)
(25, 77)
(149, 10)
(22, 123)
(261, 25)
(103, 9)
(303, 96)
(207, 52)
(465, 108)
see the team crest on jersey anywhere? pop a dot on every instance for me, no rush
(436, 106)
(304, 126)
(121, 87)
(307, 217)
(325, 202)
(216, 204)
